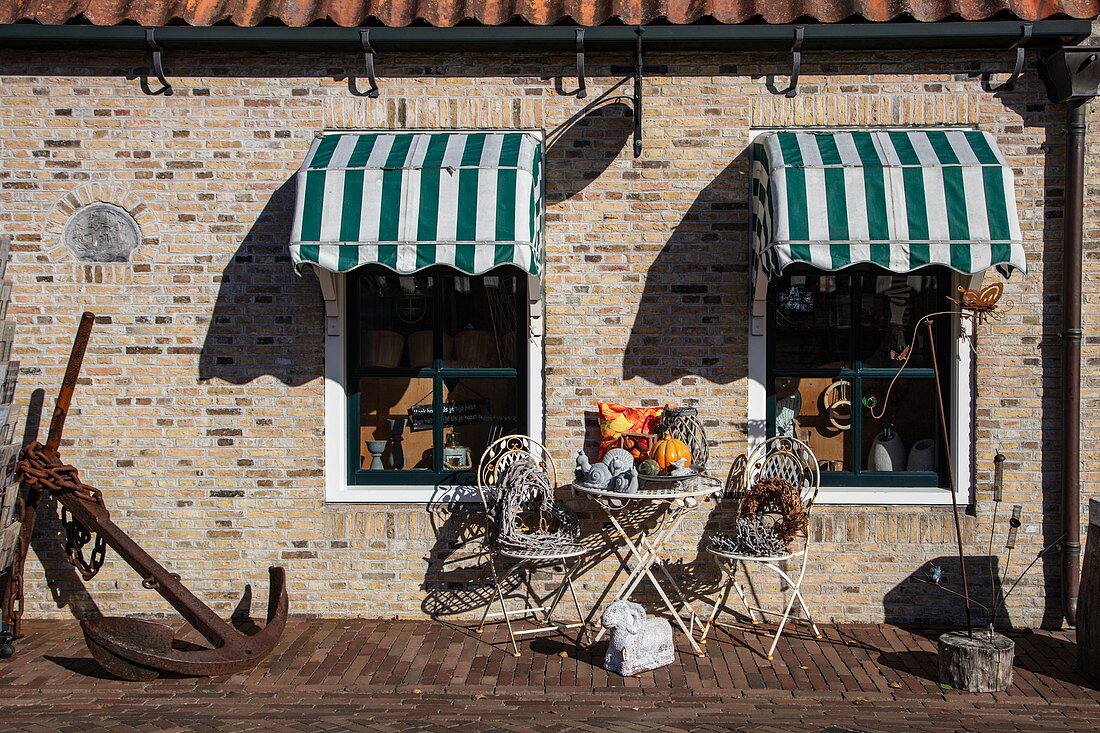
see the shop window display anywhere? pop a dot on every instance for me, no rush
(835, 343)
(436, 363)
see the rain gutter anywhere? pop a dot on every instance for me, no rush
(832, 36)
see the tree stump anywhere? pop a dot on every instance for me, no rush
(981, 663)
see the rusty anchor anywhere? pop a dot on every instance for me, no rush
(130, 648)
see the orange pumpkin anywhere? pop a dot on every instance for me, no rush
(667, 451)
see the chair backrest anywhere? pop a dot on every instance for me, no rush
(786, 458)
(502, 453)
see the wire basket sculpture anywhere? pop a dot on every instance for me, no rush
(528, 517)
(683, 423)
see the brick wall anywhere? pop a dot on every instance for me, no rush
(201, 412)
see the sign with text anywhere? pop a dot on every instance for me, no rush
(465, 412)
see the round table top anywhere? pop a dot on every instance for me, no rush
(694, 489)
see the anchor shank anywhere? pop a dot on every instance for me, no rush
(68, 386)
(96, 518)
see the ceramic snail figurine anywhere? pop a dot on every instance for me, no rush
(618, 460)
(626, 482)
(597, 475)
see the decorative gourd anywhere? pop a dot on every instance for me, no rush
(669, 450)
(649, 467)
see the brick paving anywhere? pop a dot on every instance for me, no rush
(380, 675)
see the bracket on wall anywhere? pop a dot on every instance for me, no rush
(639, 65)
(582, 87)
(157, 67)
(1020, 47)
(796, 61)
(368, 59)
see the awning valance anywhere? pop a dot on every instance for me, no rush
(410, 200)
(898, 199)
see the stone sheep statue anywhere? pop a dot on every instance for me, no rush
(637, 644)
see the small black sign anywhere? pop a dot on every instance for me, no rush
(466, 412)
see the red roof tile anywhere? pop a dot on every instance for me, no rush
(351, 13)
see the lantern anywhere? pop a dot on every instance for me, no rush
(683, 423)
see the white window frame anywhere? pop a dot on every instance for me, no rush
(337, 488)
(961, 409)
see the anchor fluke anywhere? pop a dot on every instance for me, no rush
(139, 650)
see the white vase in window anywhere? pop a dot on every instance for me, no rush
(887, 452)
(923, 456)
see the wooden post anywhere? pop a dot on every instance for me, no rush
(978, 663)
(1088, 603)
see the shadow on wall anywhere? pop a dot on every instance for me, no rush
(585, 146)
(916, 600)
(692, 317)
(267, 320)
(67, 589)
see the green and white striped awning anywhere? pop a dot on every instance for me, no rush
(410, 200)
(898, 199)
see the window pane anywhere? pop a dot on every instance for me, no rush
(395, 323)
(906, 437)
(479, 320)
(813, 322)
(890, 307)
(817, 410)
(387, 438)
(476, 411)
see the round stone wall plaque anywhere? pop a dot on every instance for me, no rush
(102, 233)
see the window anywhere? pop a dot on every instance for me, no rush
(435, 370)
(833, 346)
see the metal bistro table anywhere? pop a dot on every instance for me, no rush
(676, 498)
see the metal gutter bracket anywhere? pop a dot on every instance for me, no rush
(157, 67)
(639, 64)
(582, 87)
(796, 61)
(368, 58)
(1020, 47)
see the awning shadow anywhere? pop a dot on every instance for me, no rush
(267, 320)
(692, 316)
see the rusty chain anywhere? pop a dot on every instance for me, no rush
(39, 469)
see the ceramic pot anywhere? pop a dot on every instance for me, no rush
(922, 457)
(382, 348)
(376, 448)
(475, 348)
(887, 452)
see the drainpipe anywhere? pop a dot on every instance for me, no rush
(1071, 76)
(1071, 356)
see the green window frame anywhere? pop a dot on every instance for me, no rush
(440, 372)
(866, 380)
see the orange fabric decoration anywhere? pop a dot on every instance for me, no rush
(618, 419)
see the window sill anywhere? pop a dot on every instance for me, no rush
(397, 494)
(891, 496)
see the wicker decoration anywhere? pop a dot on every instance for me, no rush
(683, 423)
(528, 517)
(752, 536)
(777, 496)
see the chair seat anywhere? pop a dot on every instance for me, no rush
(523, 553)
(756, 558)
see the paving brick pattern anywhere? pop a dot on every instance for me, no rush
(410, 675)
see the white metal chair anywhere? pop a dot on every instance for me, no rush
(517, 463)
(785, 458)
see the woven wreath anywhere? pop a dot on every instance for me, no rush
(777, 496)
